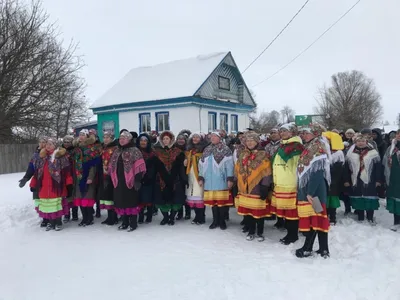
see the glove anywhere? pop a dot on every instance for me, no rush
(263, 192)
(22, 182)
(33, 190)
(137, 185)
(69, 191)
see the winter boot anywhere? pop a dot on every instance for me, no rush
(215, 214)
(165, 220)
(242, 223)
(44, 223)
(196, 216)
(180, 214)
(202, 216)
(85, 212)
(141, 216)
(280, 223)
(347, 204)
(370, 217)
(51, 225)
(323, 244)
(188, 212)
(75, 213)
(306, 250)
(114, 218)
(108, 220)
(260, 229)
(125, 223)
(332, 215)
(58, 225)
(90, 218)
(172, 216)
(226, 218)
(133, 223)
(98, 211)
(67, 218)
(360, 214)
(292, 232)
(223, 211)
(149, 215)
(155, 211)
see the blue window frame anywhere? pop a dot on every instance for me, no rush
(162, 121)
(223, 121)
(144, 122)
(212, 121)
(234, 123)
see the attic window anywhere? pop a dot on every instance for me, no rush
(224, 83)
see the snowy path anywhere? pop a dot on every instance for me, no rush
(186, 261)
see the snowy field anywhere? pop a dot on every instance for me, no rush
(187, 261)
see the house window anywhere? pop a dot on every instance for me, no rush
(234, 123)
(108, 126)
(223, 122)
(224, 83)
(162, 119)
(212, 121)
(144, 122)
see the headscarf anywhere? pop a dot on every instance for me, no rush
(68, 139)
(84, 131)
(126, 134)
(198, 147)
(148, 151)
(290, 127)
(109, 134)
(251, 135)
(218, 151)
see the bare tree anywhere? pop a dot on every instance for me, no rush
(265, 121)
(351, 102)
(287, 114)
(36, 72)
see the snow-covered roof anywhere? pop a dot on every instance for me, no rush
(181, 78)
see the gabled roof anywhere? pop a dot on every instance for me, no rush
(181, 78)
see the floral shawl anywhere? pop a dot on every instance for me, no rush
(290, 148)
(387, 162)
(361, 161)
(133, 164)
(107, 152)
(313, 158)
(218, 151)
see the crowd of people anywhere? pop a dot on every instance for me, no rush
(296, 176)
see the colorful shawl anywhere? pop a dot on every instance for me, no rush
(387, 161)
(133, 164)
(193, 157)
(107, 152)
(272, 147)
(361, 161)
(218, 151)
(290, 148)
(251, 167)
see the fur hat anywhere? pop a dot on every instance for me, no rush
(252, 135)
(217, 133)
(314, 128)
(350, 130)
(126, 134)
(68, 139)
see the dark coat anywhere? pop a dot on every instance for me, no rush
(336, 186)
(316, 187)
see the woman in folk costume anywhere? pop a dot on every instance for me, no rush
(363, 174)
(173, 191)
(254, 177)
(284, 170)
(68, 146)
(181, 142)
(30, 171)
(391, 163)
(216, 176)
(313, 172)
(53, 181)
(87, 161)
(155, 170)
(337, 168)
(126, 169)
(274, 141)
(194, 191)
(105, 188)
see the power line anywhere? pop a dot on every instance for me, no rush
(312, 44)
(276, 37)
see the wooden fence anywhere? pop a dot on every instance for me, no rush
(15, 158)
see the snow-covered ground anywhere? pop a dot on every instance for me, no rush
(186, 261)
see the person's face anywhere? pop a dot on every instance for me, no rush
(143, 143)
(42, 144)
(67, 144)
(181, 142)
(274, 136)
(166, 140)
(107, 139)
(215, 139)
(285, 134)
(222, 134)
(50, 147)
(196, 139)
(82, 137)
(251, 144)
(361, 143)
(123, 140)
(374, 135)
(349, 135)
(398, 136)
(307, 136)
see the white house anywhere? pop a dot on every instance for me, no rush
(203, 94)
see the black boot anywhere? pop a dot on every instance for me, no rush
(108, 220)
(75, 213)
(51, 225)
(155, 211)
(306, 250)
(188, 212)
(260, 229)
(323, 244)
(246, 224)
(280, 223)
(223, 211)
(396, 220)
(98, 211)
(347, 204)
(242, 223)
(292, 232)
(370, 217)
(149, 214)
(180, 214)
(215, 214)
(251, 223)
(360, 214)
(133, 222)
(125, 223)
(67, 218)
(165, 220)
(172, 216)
(196, 216)
(44, 223)
(85, 212)
(332, 215)
(90, 218)
(226, 213)
(141, 216)
(58, 225)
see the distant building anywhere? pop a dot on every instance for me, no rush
(201, 94)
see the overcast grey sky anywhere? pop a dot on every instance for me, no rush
(118, 35)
